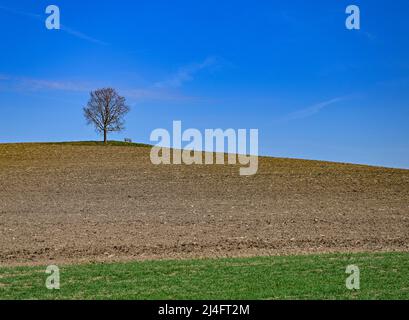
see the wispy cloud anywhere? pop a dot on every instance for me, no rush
(82, 36)
(159, 90)
(153, 94)
(165, 89)
(310, 111)
(185, 74)
(15, 83)
(64, 28)
(40, 84)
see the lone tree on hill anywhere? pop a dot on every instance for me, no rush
(106, 110)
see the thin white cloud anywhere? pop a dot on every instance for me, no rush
(14, 83)
(39, 84)
(27, 84)
(164, 90)
(161, 90)
(82, 36)
(185, 74)
(308, 112)
(64, 28)
(153, 94)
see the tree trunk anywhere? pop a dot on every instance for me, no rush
(105, 136)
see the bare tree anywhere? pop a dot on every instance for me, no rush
(106, 110)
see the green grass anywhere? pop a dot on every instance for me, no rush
(383, 276)
(100, 143)
(85, 143)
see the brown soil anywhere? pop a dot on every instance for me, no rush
(73, 203)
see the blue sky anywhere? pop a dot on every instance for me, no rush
(291, 69)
